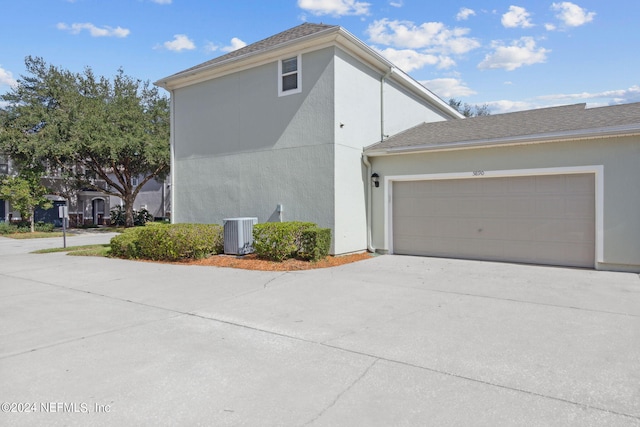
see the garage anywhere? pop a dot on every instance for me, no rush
(539, 219)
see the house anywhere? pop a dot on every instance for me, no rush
(276, 130)
(313, 125)
(553, 186)
(154, 196)
(87, 206)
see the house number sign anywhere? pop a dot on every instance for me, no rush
(478, 173)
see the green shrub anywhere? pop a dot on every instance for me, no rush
(278, 241)
(45, 227)
(315, 243)
(118, 216)
(125, 245)
(7, 228)
(173, 242)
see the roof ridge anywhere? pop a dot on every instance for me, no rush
(293, 33)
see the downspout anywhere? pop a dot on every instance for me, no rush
(382, 135)
(172, 163)
(367, 163)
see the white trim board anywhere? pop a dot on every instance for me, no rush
(597, 170)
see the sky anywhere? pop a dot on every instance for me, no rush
(510, 55)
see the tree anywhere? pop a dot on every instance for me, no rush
(87, 127)
(468, 110)
(25, 193)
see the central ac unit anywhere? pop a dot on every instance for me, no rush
(238, 235)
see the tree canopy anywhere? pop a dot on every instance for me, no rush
(85, 127)
(469, 110)
(25, 193)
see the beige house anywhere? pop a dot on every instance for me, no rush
(557, 186)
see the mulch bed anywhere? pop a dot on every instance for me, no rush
(251, 262)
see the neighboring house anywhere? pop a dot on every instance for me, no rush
(282, 123)
(88, 206)
(155, 196)
(311, 117)
(550, 186)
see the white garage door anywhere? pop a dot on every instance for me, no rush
(546, 219)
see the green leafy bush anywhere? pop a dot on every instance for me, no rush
(44, 227)
(7, 228)
(173, 242)
(125, 245)
(278, 241)
(119, 216)
(315, 243)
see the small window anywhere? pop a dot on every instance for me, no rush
(134, 181)
(289, 76)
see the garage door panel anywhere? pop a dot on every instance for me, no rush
(551, 184)
(520, 207)
(408, 207)
(580, 184)
(491, 186)
(550, 207)
(493, 207)
(517, 185)
(580, 207)
(546, 219)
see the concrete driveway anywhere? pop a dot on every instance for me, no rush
(388, 341)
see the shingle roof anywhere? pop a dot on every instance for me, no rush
(291, 34)
(555, 121)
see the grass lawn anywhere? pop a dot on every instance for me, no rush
(35, 235)
(87, 250)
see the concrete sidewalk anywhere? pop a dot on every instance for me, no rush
(388, 341)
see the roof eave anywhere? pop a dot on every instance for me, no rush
(337, 35)
(582, 134)
(251, 59)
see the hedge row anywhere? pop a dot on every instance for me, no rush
(275, 241)
(278, 241)
(169, 242)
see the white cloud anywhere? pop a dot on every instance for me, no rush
(549, 27)
(411, 47)
(517, 17)
(95, 31)
(464, 14)
(507, 106)
(162, 1)
(571, 14)
(236, 44)
(397, 3)
(435, 37)
(334, 7)
(179, 43)
(210, 47)
(618, 96)
(408, 59)
(447, 88)
(521, 52)
(6, 78)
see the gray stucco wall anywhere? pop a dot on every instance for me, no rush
(618, 156)
(357, 108)
(240, 150)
